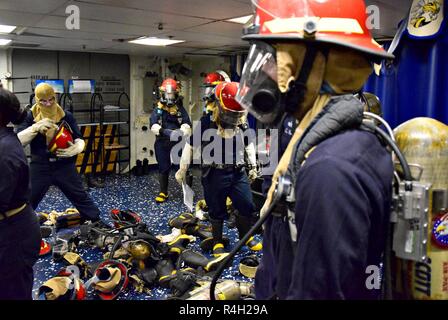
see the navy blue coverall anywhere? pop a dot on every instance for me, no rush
(20, 234)
(163, 144)
(343, 196)
(220, 183)
(287, 128)
(47, 170)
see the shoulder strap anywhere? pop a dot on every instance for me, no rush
(342, 113)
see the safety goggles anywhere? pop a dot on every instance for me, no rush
(258, 91)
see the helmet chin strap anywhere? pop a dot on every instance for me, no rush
(295, 96)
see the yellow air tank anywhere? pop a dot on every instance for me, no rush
(424, 142)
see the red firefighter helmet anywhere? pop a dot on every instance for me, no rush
(111, 279)
(230, 111)
(341, 22)
(122, 218)
(213, 79)
(62, 137)
(66, 285)
(169, 85)
(169, 92)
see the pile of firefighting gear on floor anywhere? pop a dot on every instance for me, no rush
(135, 259)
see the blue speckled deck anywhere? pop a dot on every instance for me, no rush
(137, 194)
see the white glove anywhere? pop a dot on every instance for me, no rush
(185, 160)
(71, 151)
(181, 175)
(186, 129)
(156, 129)
(253, 174)
(42, 126)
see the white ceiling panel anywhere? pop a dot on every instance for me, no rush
(148, 50)
(74, 34)
(136, 17)
(227, 29)
(204, 37)
(211, 9)
(198, 22)
(19, 18)
(55, 42)
(32, 6)
(53, 22)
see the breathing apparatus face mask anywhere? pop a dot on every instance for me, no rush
(169, 96)
(208, 94)
(258, 91)
(230, 119)
(281, 77)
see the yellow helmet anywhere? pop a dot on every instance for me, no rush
(44, 91)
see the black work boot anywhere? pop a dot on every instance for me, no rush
(244, 224)
(163, 181)
(195, 259)
(218, 244)
(165, 272)
(93, 182)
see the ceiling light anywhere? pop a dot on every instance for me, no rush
(242, 20)
(6, 29)
(4, 42)
(152, 41)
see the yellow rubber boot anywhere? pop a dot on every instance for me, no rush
(218, 249)
(162, 197)
(254, 245)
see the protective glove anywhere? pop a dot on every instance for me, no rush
(186, 129)
(71, 151)
(252, 175)
(156, 129)
(185, 160)
(181, 175)
(42, 126)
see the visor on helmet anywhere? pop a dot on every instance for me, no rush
(229, 118)
(258, 91)
(208, 93)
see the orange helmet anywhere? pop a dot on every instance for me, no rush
(62, 137)
(169, 92)
(341, 22)
(230, 111)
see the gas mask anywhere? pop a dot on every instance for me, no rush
(290, 76)
(169, 97)
(258, 91)
(229, 119)
(208, 94)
